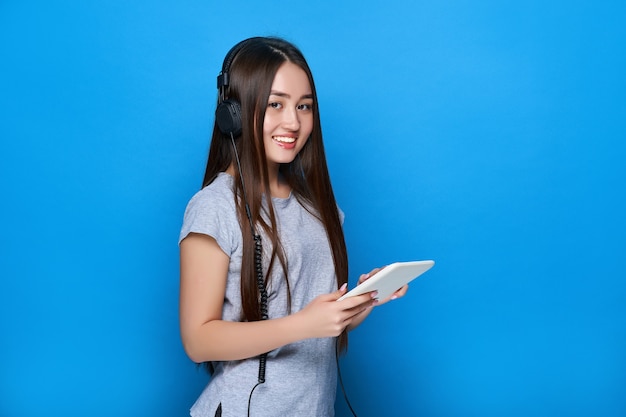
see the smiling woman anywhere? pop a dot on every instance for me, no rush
(488, 136)
(266, 186)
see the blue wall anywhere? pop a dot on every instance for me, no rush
(486, 136)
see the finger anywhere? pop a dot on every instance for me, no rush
(360, 302)
(341, 291)
(358, 309)
(365, 277)
(401, 292)
(376, 270)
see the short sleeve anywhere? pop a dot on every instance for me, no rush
(212, 212)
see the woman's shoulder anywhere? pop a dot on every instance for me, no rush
(216, 197)
(212, 211)
(220, 190)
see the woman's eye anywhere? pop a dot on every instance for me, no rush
(305, 107)
(274, 105)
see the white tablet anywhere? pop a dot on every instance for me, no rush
(390, 279)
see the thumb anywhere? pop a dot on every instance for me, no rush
(342, 290)
(335, 295)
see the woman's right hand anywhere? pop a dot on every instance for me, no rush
(327, 317)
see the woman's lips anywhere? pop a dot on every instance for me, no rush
(286, 142)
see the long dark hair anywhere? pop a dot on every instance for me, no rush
(251, 75)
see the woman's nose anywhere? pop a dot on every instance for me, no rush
(291, 119)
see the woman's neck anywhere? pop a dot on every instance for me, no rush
(278, 186)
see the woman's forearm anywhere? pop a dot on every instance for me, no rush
(220, 340)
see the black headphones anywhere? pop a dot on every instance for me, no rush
(228, 111)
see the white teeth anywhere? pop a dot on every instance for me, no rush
(284, 139)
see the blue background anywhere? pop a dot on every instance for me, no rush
(488, 136)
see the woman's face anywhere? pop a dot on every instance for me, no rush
(289, 115)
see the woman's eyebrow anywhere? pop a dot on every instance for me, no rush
(285, 95)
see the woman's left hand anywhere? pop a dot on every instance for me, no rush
(399, 293)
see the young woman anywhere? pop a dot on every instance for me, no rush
(262, 252)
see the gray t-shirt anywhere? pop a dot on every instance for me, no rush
(301, 377)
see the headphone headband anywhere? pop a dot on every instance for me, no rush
(223, 78)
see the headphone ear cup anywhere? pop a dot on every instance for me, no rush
(228, 117)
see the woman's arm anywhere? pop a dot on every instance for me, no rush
(206, 337)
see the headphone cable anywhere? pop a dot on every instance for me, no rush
(258, 268)
(343, 388)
